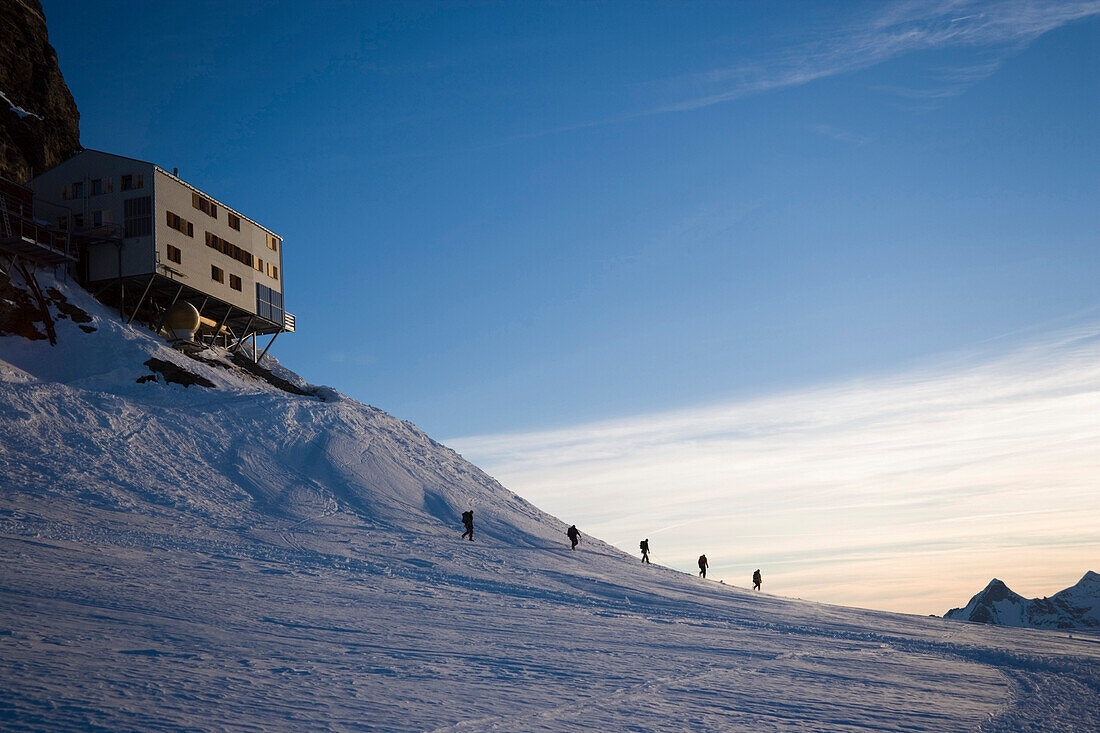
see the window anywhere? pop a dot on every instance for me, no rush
(269, 304)
(129, 182)
(213, 241)
(204, 205)
(217, 273)
(78, 190)
(234, 220)
(101, 186)
(97, 218)
(234, 282)
(273, 242)
(137, 216)
(78, 221)
(272, 271)
(259, 265)
(175, 255)
(180, 224)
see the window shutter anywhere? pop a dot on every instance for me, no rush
(108, 216)
(108, 184)
(65, 192)
(140, 181)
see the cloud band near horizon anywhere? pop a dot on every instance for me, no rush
(905, 492)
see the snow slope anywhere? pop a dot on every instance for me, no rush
(1076, 607)
(240, 557)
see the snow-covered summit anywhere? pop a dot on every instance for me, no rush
(189, 543)
(1076, 607)
(1090, 580)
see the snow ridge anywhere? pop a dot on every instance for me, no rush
(241, 449)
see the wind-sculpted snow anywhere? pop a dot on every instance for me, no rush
(240, 557)
(239, 450)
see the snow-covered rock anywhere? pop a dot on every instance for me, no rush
(241, 550)
(1076, 607)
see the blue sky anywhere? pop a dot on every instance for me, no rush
(516, 219)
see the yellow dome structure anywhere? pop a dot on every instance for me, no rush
(183, 321)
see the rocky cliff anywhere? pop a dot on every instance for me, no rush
(39, 122)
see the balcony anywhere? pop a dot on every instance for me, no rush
(35, 239)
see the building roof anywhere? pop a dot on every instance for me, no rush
(181, 181)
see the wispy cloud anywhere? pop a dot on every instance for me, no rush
(996, 28)
(994, 31)
(907, 492)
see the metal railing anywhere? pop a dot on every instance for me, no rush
(20, 228)
(105, 232)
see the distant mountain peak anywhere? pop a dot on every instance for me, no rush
(1076, 607)
(998, 591)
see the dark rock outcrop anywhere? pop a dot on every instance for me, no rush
(20, 315)
(175, 374)
(39, 122)
(256, 370)
(28, 312)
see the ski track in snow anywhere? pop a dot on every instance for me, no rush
(240, 558)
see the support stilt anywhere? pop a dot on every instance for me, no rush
(36, 291)
(269, 343)
(164, 318)
(240, 341)
(218, 330)
(121, 284)
(141, 300)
